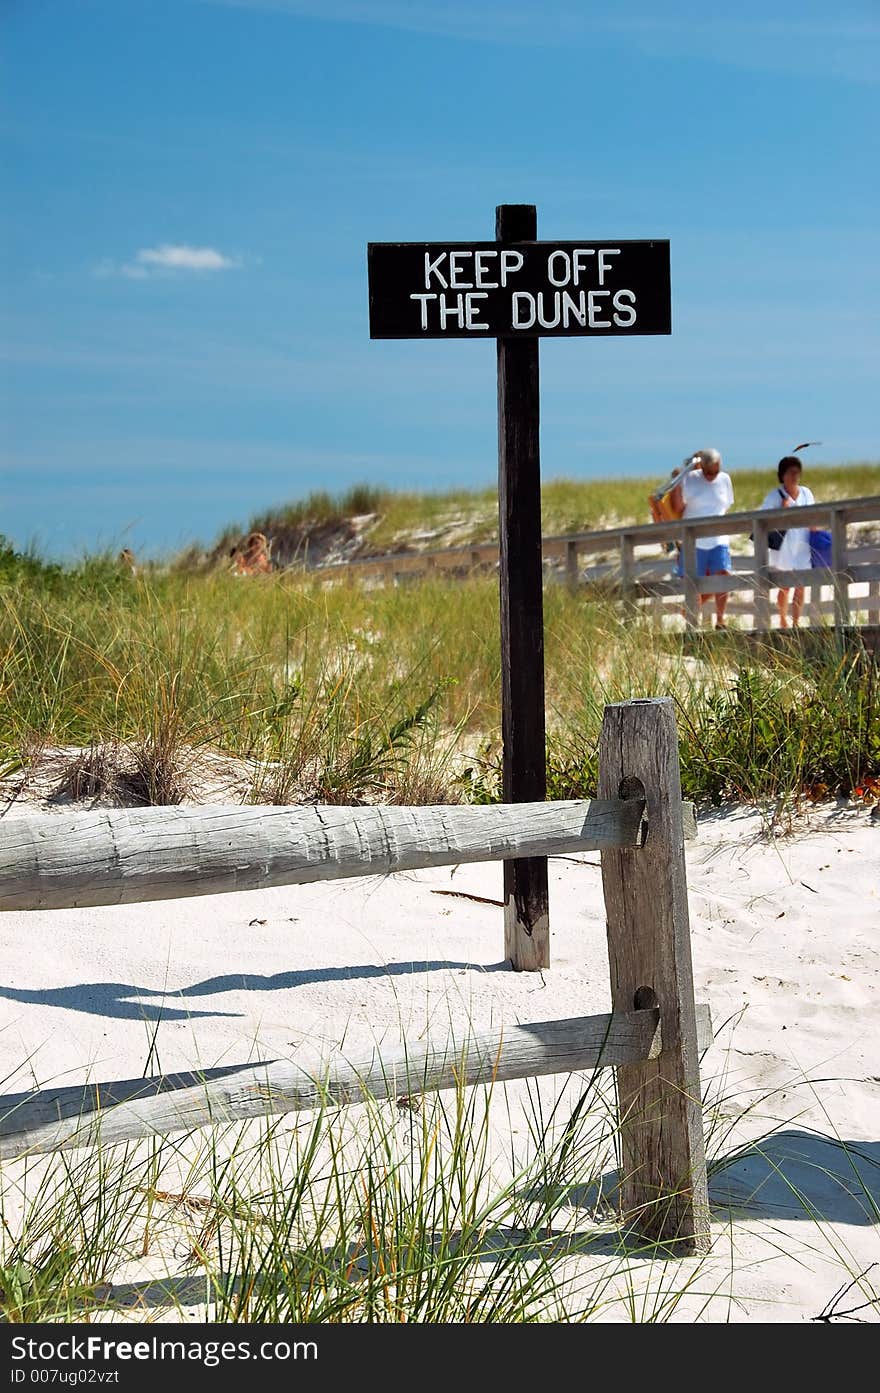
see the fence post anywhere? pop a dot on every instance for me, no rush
(838, 566)
(663, 1185)
(689, 566)
(874, 602)
(571, 565)
(814, 604)
(627, 556)
(762, 576)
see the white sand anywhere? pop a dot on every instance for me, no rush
(786, 938)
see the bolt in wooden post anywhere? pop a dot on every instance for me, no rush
(663, 1185)
(526, 901)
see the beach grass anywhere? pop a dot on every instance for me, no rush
(343, 694)
(477, 1205)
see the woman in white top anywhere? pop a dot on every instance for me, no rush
(794, 554)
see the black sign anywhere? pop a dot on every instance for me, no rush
(481, 290)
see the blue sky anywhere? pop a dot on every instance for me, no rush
(189, 187)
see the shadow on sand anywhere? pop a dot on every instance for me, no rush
(110, 999)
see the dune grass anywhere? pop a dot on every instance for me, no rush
(480, 1205)
(393, 694)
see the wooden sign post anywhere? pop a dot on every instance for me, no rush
(517, 290)
(521, 576)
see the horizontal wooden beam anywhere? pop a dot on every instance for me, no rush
(56, 1119)
(123, 856)
(815, 515)
(743, 583)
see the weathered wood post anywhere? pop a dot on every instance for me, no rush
(627, 560)
(689, 566)
(838, 565)
(814, 604)
(762, 575)
(524, 774)
(663, 1185)
(571, 565)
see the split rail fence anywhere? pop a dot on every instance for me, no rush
(633, 575)
(653, 1035)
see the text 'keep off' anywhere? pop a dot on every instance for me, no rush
(496, 290)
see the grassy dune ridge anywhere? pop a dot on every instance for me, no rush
(459, 517)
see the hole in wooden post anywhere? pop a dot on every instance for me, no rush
(646, 999)
(634, 788)
(631, 788)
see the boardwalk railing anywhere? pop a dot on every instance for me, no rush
(642, 577)
(652, 1037)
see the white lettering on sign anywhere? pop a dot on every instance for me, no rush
(593, 308)
(603, 266)
(562, 309)
(433, 268)
(549, 321)
(463, 309)
(447, 311)
(523, 300)
(579, 261)
(563, 269)
(456, 271)
(424, 299)
(482, 271)
(574, 309)
(511, 262)
(624, 303)
(471, 310)
(459, 271)
(558, 268)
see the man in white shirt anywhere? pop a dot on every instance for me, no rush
(707, 492)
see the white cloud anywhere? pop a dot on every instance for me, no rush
(183, 258)
(168, 257)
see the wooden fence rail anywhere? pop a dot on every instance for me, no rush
(653, 1036)
(129, 1109)
(641, 577)
(124, 856)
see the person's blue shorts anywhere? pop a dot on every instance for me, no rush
(709, 561)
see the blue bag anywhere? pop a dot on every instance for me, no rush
(820, 549)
